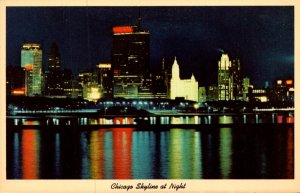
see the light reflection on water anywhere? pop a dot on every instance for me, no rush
(30, 154)
(225, 151)
(57, 156)
(142, 151)
(16, 156)
(130, 153)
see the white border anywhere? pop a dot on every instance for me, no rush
(90, 186)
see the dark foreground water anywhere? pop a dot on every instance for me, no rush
(236, 152)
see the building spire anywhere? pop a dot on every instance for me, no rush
(175, 70)
(139, 20)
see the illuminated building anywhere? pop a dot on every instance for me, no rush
(212, 93)
(130, 62)
(230, 82)
(31, 60)
(202, 94)
(237, 81)
(225, 81)
(187, 88)
(91, 90)
(85, 77)
(54, 82)
(105, 79)
(72, 89)
(259, 95)
(96, 83)
(246, 85)
(282, 91)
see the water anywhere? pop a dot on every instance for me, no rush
(215, 152)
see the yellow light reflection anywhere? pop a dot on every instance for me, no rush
(175, 154)
(225, 152)
(196, 156)
(185, 155)
(225, 119)
(96, 154)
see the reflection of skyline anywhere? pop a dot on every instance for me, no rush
(184, 158)
(127, 153)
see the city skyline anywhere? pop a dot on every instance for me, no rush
(262, 37)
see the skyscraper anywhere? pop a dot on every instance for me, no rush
(54, 64)
(54, 83)
(237, 80)
(130, 62)
(31, 60)
(225, 80)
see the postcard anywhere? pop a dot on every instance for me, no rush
(149, 97)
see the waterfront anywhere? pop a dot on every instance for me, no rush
(253, 150)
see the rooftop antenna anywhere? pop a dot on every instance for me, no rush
(139, 20)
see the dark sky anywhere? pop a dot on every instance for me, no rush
(262, 37)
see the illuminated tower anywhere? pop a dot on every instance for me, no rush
(187, 88)
(130, 61)
(31, 60)
(225, 80)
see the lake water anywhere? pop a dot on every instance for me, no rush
(249, 151)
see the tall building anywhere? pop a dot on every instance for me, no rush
(237, 81)
(230, 82)
(225, 81)
(187, 88)
(130, 62)
(54, 63)
(31, 60)
(53, 80)
(105, 79)
(161, 82)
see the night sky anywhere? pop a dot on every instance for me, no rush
(262, 37)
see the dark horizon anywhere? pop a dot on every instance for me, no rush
(262, 37)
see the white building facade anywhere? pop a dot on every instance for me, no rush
(186, 88)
